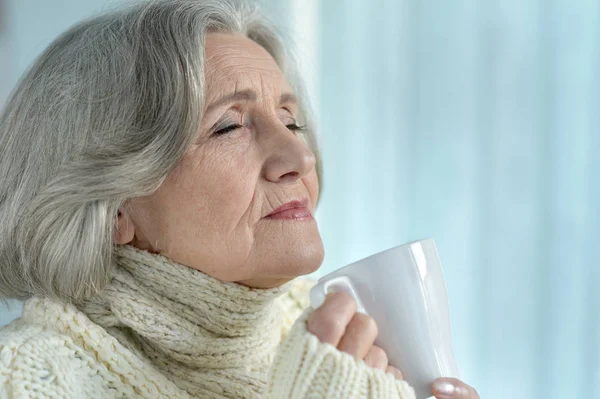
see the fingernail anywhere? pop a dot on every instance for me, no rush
(445, 388)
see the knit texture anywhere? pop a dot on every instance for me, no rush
(307, 368)
(163, 330)
(213, 339)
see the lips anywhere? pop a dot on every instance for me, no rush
(293, 210)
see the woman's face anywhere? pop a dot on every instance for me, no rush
(214, 212)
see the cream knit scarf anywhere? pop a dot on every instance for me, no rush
(213, 339)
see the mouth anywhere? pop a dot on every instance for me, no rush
(293, 210)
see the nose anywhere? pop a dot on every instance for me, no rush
(289, 159)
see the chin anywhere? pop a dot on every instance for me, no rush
(266, 283)
(294, 264)
(306, 258)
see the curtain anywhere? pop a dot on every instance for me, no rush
(477, 124)
(474, 123)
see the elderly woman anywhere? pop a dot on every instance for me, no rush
(159, 176)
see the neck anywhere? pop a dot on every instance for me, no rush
(198, 330)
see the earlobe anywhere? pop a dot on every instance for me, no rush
(124, 230)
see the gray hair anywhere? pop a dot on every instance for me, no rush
(104, 115)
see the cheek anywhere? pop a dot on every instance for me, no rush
(311, 182)
(223, 183)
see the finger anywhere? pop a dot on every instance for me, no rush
(329, 321)
(359, 336)
(452, 388)
(395, 372)
(376, 358)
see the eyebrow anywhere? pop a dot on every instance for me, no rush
(248, 95)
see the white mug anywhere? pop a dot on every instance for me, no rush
(404, 290)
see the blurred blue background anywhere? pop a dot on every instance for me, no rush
(474, 123)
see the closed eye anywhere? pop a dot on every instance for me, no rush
(227, 129)
(295, 128)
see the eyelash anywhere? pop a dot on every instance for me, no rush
(292, 127)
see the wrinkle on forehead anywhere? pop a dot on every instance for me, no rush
(233, 59)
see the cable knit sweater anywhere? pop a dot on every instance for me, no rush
(163, 330)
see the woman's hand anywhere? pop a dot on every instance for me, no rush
(337, 323)
(451, 388)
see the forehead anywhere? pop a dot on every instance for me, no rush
(238, 60)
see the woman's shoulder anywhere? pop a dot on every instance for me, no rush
(55, 351)
(37, 360)
(23, 342)
(14, 336)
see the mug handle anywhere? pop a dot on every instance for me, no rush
(335, 284)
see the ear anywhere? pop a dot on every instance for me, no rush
(124, 230)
